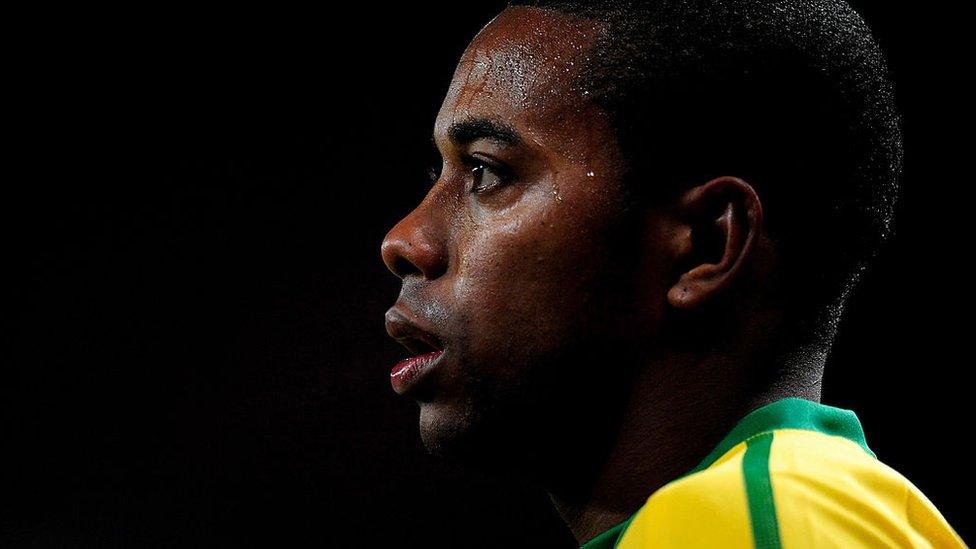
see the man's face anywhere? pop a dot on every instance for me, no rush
(522, 260)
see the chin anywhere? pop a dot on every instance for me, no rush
(442, 429)
(457, 435)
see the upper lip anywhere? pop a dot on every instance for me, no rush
(411, 335)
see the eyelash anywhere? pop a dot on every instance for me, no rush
(472, 165)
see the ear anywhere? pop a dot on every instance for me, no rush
(722, 225)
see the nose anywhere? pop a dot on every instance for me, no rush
(414, 245)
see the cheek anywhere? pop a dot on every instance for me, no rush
(524, 279)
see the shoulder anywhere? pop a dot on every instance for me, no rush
(791, 488)
(707, 508)
(828, 490)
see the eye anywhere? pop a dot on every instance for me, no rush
(487, 176)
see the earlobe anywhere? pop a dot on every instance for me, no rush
(724, 218)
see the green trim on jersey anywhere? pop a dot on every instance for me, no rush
(790, 413)
(787, 413)
(759, 491)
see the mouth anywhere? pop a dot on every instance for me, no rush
(416, 339)
(425, 346)
(423, 343)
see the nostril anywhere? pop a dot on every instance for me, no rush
(403, 267)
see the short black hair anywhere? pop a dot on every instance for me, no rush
(793, 96)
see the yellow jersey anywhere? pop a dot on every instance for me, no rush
(794, 473)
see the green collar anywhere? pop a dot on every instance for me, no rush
(787, 413)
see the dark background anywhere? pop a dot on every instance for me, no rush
(199, 357)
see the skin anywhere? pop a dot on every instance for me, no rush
(566, 313)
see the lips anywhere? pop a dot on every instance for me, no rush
(424, 344)
(409, 334)
(408, 373)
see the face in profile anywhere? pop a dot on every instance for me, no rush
(529, 286)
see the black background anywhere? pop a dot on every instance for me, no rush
(194, 236)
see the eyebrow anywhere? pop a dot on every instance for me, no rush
(465, 132)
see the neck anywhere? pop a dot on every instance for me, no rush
(666, 430)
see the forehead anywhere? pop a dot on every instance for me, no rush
(522, 68)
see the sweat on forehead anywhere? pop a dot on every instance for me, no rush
(516, 60)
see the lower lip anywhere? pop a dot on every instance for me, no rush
(407, 373)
